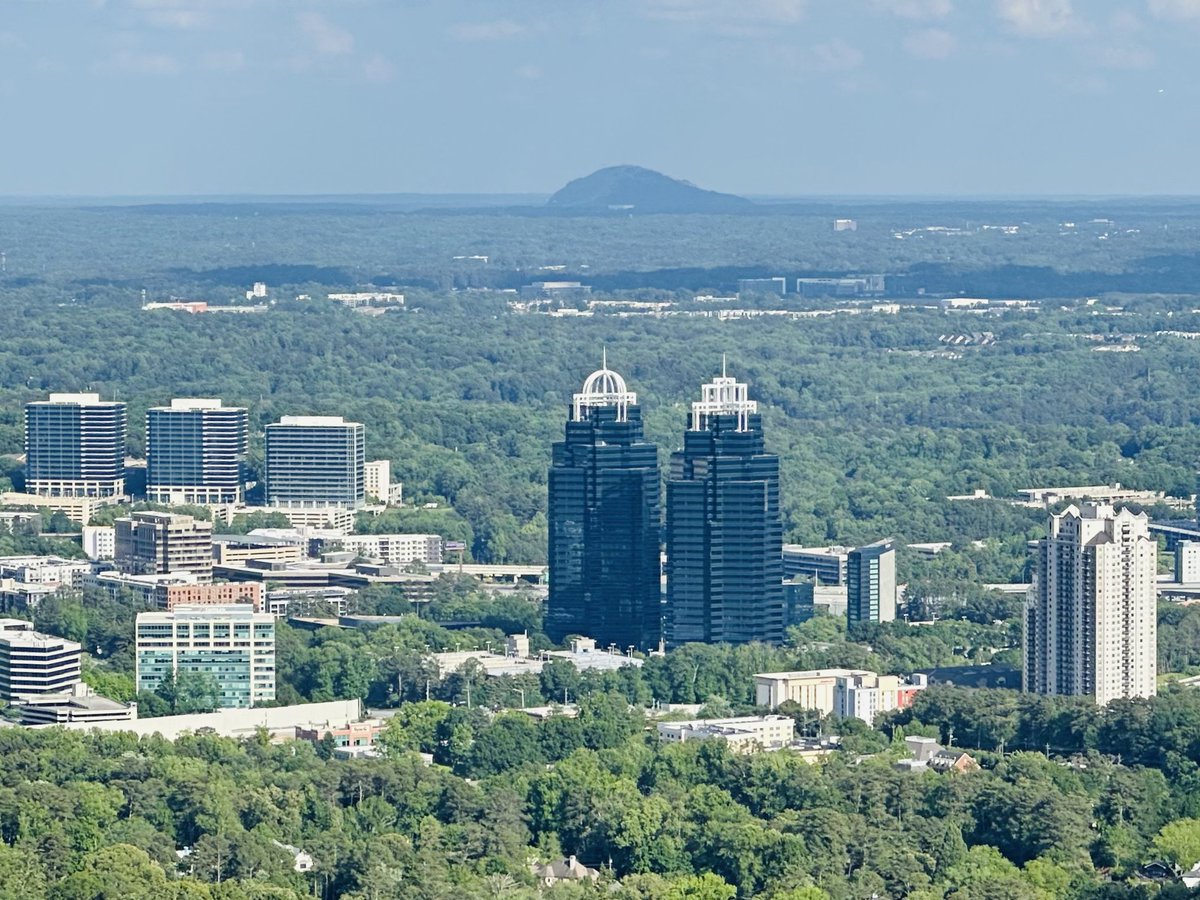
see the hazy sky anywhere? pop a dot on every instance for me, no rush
(751, 96)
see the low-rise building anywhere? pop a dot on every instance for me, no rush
(32, 663)
(51, 570)
(566, 869)
(279, 722)
(395, 549)
(21, 522)
(584, 655)
(77, 704)
(349, 734)
(235, 549)
(743, 734)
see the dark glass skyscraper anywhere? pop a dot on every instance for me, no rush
(724, 534)
(604, 521)
(195, 450)
(75, 446)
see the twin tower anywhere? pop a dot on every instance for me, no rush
(723, 530)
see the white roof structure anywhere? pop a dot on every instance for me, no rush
(724, 396)
(604, 387)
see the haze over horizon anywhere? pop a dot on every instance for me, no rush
(781, 98)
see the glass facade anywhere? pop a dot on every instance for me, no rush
(236, 647)
(604, 529)
(315, 462)
(724, 533)
(75, 447)
(195, 453)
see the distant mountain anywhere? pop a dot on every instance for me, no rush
(638, 190)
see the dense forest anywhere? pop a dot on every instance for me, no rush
(877, 419)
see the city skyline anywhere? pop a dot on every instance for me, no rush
(975, 92)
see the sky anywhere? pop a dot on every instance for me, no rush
(759, 97)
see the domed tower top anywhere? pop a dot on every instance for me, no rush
(604, 387)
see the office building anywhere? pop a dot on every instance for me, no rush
(315, 462)
(195, 452)
(32, 663)
(604, 520)
(394, 549)
(75, 447)
(827, 565)
(724, 533)
(845, 693)
(1090, 628)
(234, 644)
(158, 543)
(78, 704)
(769, 286)
(1187, 562)
(743, 734)
(871, 583)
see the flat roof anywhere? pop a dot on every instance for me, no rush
(314, 421)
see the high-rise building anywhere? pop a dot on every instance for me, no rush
(871, 583)
(195, 452)
(604, 520)
(1090, 624)
(32, 664)
(158, 543)
(724, 534)
(315, 462)
(75, 447)
(233, 644)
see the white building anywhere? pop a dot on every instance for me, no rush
(32, 663)
(48, 570)
(1090, 619)
(76, 704)
(395, 549)
(1187, 562)
(377, 480)
(743, 734)
(100, 541)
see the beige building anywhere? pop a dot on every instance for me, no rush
(156, 543)
(743, 734)
(846, 693)
(1090, 626)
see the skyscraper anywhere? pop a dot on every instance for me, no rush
(604, 520)
(724, 534)
(871, 583)
(315, 461)
(1090, 624)
(75, 446)
(195, 450)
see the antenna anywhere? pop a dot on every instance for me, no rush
(724, 373)
(604, 357)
